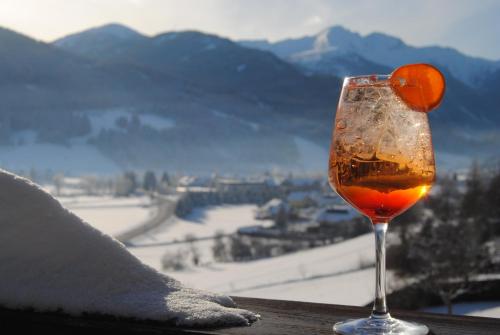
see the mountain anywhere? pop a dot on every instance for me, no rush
(193, 102)
(230, 108)
(210, 62)
(344, 53)
(220, 67)
(36, 79)
(491, 87)
(468, 112)
(42, 83)
(338, 42)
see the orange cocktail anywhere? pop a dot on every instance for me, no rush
(382, 162)
(381, 158)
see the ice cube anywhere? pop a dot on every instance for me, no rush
(402, 140)
(353, 94)
(366, 151)
(376, 123)
(372, 95)
(388, 147)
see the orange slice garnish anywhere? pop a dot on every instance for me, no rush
(420, 86)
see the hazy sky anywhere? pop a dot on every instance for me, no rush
(471, 26)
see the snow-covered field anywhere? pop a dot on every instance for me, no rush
(329, 274)
(204, 222)
(109, 214)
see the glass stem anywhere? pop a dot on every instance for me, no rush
(380, 306)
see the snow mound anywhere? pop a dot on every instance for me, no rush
(52, 260)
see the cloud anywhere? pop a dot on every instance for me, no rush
(313, 21)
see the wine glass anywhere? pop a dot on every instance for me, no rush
(381, 162)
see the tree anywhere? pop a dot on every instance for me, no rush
(444, 251)
(174, 261)
(164, 183)
(165, 179)
(447, 256)
(195, 254)
(472, 201)
(404, 225)
(492, 206)
(405, 221)
(90, 184)
(132, 178)
(240, 251)
(126, 184)
(281, 220)
(122, 122)
(260, 249)
(445, 204)
(149, 182)
(219, 249)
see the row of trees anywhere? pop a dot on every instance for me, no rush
(445, 241)
(217, 197)
(182, 257)
(129, 182)
(240, 248)
(124, 185)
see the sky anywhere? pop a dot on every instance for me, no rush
(470, 26)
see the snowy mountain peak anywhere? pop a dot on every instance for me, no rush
(334, 37)
(321, 52)
(340, 33)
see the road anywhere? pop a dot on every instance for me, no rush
(166, 209)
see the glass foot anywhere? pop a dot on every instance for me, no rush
(379, 326)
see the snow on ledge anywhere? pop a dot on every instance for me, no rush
(51, 259)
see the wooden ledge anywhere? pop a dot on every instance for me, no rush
(278, 318)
